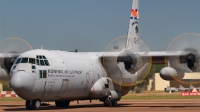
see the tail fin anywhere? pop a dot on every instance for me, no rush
(133, 40)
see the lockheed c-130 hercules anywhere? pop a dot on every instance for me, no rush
(41, 75)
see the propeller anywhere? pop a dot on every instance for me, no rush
(124, 66)
(188, 46)
(10, 49)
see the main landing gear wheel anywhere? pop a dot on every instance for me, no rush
(33, 105)
(114, 103)
(62, 103)
(28, 105)
(106, 102)
(36, 104)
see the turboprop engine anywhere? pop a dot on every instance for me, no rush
(186, 58)
(133, 62)
(192, 59)
(6, 64)
(10, 49)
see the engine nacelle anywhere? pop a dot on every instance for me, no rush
(169, 73)
(7, 61)
(133, 62)
(191, 58)
(101, 88)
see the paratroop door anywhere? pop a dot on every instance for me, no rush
(63, 88)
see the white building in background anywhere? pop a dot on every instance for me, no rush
(158, 84)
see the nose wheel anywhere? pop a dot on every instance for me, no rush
(33, 105)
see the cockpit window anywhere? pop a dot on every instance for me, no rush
(31, 60)
(38, 62)
(44, 57)
(24, 60)
(42, 60)
(46, 62)
(40, 57)
(42, 63)
(18, 61)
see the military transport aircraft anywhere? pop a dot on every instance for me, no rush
(41, 75)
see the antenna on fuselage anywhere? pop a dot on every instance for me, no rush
(41, 47)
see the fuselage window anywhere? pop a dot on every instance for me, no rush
(46, 62)
(24, 60)
(33, 67)
(37, 56)
(38, 62)
(44, 74)
(18, 61)
(40, 75)
(31, 60)
(42, 63)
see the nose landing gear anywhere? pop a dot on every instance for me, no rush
(33, 105)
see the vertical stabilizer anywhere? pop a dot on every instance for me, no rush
(133, 31)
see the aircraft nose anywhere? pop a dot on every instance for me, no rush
(23, 83)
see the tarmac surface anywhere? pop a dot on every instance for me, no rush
(122, 106)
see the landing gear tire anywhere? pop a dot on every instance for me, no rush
(58, 103)
(36, 104)
(28, 105)
(114, 103)
(62, 103)
(106, 102)
(66, 103)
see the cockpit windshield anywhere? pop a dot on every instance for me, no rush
(40, 60)
(18, 61)
(24, 60)
(31, 60)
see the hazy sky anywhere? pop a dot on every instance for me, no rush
(90, 25)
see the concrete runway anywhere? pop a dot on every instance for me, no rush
(123, 106)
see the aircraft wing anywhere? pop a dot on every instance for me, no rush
(155, 57)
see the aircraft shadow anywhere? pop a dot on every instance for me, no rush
(53, 107)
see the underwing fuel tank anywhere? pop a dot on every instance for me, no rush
(169, 73)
